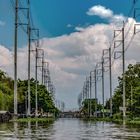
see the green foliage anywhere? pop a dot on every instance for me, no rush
(6, 92)
(45, 101)
(33, 120)
(132, 80)
(117, 116)
(93, 103)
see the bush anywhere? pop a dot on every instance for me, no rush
(117, 116)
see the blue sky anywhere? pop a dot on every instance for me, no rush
(73, 34)
(53, 16)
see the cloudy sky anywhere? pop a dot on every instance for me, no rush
(73, 34)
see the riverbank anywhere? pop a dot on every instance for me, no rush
(135, 121)
(128, 121)
(24, 120)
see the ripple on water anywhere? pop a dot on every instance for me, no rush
(68, 129)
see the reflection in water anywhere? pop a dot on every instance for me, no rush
(68, 129)
(15, 130)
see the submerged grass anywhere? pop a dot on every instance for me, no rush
(47, 120)
(134, 121)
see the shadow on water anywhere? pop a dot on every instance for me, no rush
(68, 129)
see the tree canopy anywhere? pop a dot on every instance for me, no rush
(132, 80)
(45, 99)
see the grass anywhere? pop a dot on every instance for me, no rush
(24, 120)
(135, 121)
(107, 119)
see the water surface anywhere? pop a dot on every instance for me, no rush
(68, 129)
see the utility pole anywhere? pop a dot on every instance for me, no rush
(83, 93)
(36, 72)
(15, 58)
(107, 59)
(42, 63)
(17, 8)
(103, 85)
(26, 106)
(96, 101)
(36, 39)
(123, 60)
(29, 61)
(36, 77)
(110, 77)
(131, 97)
(43, 67)
(99, 73)
(36, 88)
(46, 76)
(136, 17)
(116, 33)
(85, 97)
(79, 101)
(90, 94)
(87, 94)
(49, 81)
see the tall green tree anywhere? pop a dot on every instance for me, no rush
(132, 80)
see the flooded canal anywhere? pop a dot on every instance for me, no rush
(68, 129)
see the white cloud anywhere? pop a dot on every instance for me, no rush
(79, 28)
(101, 11)
(118, 18)
(69, 25)
(105, 13)
(2, 23)
(5, 55)
(72, 56)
